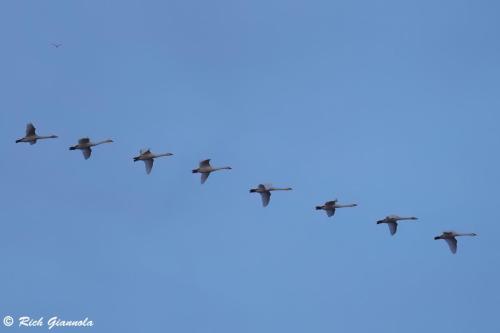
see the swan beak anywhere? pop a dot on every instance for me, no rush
(437, 237)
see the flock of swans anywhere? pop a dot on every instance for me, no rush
(205, 169)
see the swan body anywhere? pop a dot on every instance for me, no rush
(449, 237)
(205, 169)
(31, 137)
(85, 145)
(330, 206)
(148, 157)
(392, 222)
(265, 192)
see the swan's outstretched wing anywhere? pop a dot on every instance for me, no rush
(204, 177)
(30, 129)
(83, 141)
(86, 153)
(149, 165)
(393, 227)
(330, 211)
(452, 244)
(144, 151)
(266, 196)
(205, 163)
(261, 186)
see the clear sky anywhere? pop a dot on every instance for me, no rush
(393, 105)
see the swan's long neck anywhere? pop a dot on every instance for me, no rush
(164, 154)
(101, 142)
(46, 136)
(221, 168)
(466, 234)
(343, 206)
(280, 189)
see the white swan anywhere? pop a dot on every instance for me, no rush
(392, 222)
(85, 145)
(148, 157)
(32, 137)
(449, 237)
(205, 169)
(330, 206)
(265, 192)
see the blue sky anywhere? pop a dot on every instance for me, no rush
(389, 104)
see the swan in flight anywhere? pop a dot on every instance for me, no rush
(392, 222)
(148, 157)
(56, 45)
(330, 206)
(265, 192)
(449, 237)
(32, 137)
(205, 169)
(85, 145)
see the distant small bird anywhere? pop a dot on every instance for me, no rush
(449, 237)
(31, 135)
(148, 157)
(56, 45)
(392, 222)
(85, 146)
(265, 192)
(205, 169)
(330, 206)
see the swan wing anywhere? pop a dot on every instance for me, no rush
(149, 165)
(205, 163)
(393, 227)
(266, 197)
(86, 152)
(83, 141)
(204, 177)
(452, 244)
(30, 130)
(330, 212)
